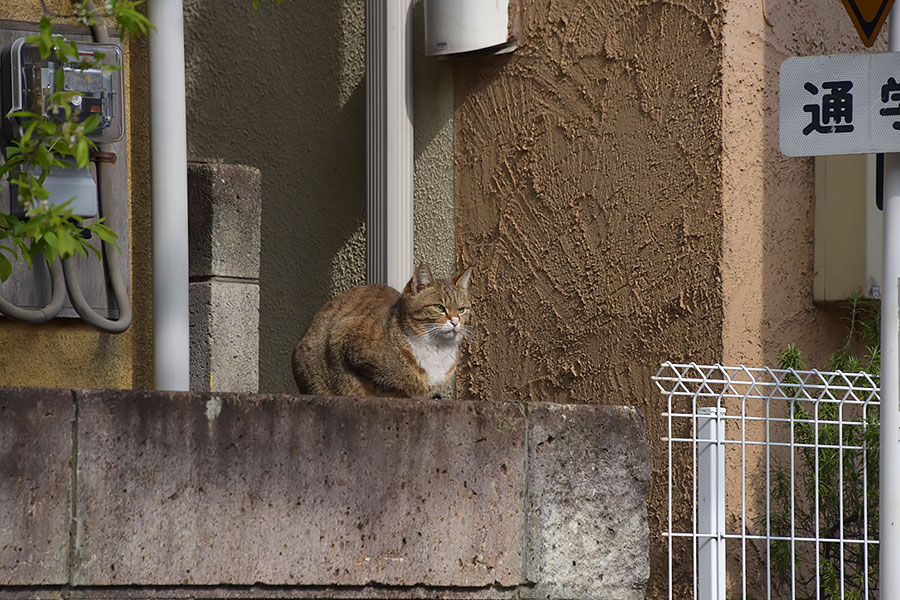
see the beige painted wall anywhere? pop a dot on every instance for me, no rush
(768, 198)
(68, 352)
(768, 205)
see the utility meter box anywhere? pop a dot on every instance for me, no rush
(849, 234)
(457, 26)
(103, 95)
(26, 83)
(28, 79)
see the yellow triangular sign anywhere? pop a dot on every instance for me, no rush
(868, 16)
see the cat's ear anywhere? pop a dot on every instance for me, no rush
(421, 279)
(462, 280)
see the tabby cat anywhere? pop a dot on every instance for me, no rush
(375, 341)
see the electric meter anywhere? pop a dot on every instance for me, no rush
(31, 79)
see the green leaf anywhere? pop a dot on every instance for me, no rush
(24, 114)
(52, 242)
(59, 79)
(65, 243)
(48, 127)
(130, 20)
(81, 153)
(46, 26)
(26, 256)
(91, 123)
(5, 268)
(45, 39)
(105, 234)
(29, 130)
(43, 157)
(12, 151)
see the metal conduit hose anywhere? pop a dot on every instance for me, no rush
(62, 274)
(111, 253)
(41, 315)
(107, 209)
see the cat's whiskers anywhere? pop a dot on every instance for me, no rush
(433, 331)
(436, 331)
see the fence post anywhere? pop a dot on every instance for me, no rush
(710, 503)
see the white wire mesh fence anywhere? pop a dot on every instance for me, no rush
(772, 482)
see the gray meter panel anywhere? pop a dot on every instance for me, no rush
(31, 288)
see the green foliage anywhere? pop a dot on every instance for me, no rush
(844, 479)
(125, 13)
(55, 136)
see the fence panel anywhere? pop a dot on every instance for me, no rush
(772, 482)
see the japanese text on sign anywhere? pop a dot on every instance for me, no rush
(843, 104)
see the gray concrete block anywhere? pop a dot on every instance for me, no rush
(224, 336)
(588, 473)
(202, 489)
(224, 208)
(35, 484)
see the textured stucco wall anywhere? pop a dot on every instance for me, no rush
(588, 200)
(768, 198)
(68, 352)
(283, 90)
(434, 225)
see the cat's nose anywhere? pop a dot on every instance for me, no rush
(454, 321)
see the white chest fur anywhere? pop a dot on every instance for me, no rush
(436, 357)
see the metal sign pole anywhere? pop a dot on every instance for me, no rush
(889, 493)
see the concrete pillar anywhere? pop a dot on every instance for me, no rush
(224, 204)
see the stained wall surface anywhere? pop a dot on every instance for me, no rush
(622, 198)
(69, 352)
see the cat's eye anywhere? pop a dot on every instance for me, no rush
(440, 308)
(462, 309)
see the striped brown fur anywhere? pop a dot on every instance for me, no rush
(376, 341)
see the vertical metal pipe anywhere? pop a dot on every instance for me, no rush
(710, 504)
(171, 353)
(389, 142)
(889, 498)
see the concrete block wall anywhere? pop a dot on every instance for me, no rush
(224, 211)
(123, 494)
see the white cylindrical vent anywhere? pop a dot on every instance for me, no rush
(455, 26)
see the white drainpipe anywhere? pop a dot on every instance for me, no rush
(389, 142)
(171, 346)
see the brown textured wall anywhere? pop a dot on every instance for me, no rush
(588, 200)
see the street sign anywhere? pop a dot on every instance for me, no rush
(840, 104)
(868, 17)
